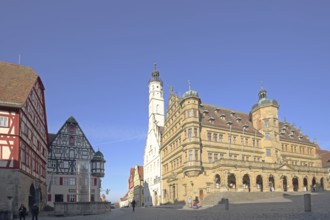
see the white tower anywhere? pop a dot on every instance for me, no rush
(152, 169)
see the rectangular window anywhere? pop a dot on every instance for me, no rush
(210, 157)
(216, 157)
(49, 197)
(189, 132)
(195, 132)
(267, 136)
(268, 152)
(190, 155)
(3, 121)
(209, 135)
(215, 137)
(266, 124)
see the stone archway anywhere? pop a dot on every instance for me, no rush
(231, 181)
(285, 183)
(305, 182)
(259, 183)
(313, 184)
(246, 182)
(32, 196)
(322, 184)
(295, 183)
(271, 182)
(217, 181)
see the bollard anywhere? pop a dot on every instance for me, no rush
(226, 204)
(307, 202)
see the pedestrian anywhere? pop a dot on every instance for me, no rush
(35, 212)
(22, 212)
(133, 205)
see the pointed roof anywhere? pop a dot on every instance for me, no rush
(155, 76)
(14, 76)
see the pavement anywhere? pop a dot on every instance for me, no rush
(289, 207)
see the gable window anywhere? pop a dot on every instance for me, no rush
(268, 152)
(72, 129)
(71, 140)
(3, 121)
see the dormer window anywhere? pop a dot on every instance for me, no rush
(205, 112)
(223, 116)
(211, 120)
(232, 114)
(239, 119)
(217, 110)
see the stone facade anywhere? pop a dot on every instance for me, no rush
(208, 149)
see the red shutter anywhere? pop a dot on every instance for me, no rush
(61, 180)
(95, 181)
(49, 197)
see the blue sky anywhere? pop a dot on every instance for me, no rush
(95, 59)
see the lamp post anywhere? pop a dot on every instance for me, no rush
(229, 123)
(245, 126)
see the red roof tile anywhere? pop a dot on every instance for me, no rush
(16, 83)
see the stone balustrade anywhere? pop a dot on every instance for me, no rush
(80, 208)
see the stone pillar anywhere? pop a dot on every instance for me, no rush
(307, 202)
(10, 207)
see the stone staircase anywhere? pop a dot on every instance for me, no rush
(238, 197)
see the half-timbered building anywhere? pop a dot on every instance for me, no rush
(23, 137)
(74, 168)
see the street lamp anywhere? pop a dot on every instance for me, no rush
(229, 123)
(245, 126)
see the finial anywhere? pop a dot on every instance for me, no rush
(171, 89)
(262, 84)
(155, 66)
(189, 83)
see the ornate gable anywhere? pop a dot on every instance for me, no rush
(69, 145)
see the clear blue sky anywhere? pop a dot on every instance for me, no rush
(95, 59)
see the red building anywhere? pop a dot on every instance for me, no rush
(23, 137)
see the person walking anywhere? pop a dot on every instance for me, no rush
(22, 212)
(133, 205)
(35, 212)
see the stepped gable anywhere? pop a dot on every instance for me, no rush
(289, 132)
(219, 117)
(14, 76)
(325, 157)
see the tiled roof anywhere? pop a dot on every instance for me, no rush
(219, 117)
(289, 132)
(51, 137)
(325, 157)
(16, 83)
(140, 169)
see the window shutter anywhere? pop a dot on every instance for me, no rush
(61, 180)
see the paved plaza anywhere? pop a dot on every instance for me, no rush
(290, 207)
